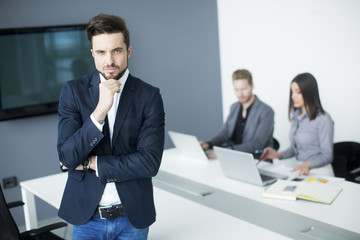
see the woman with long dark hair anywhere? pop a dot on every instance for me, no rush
(312, 129)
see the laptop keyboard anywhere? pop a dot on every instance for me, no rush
(265, 177)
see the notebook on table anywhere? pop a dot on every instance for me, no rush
(312, 191)
(188, 145)
(242, 166)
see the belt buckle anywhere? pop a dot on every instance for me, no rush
(100, 212)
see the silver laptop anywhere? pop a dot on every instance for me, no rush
(188, 145)
(242, 166)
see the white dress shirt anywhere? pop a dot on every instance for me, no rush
(110, 195)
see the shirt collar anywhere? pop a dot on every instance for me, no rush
(299, 112)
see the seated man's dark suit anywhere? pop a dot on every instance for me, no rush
(130, 161)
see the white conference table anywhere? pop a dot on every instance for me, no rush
(177, 218)
(181, 218)
(343, 213)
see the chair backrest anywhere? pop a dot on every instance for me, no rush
(276, 144)
(346, 158)
(8, 229)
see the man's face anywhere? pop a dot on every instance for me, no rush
(110, 54)
(243, 90)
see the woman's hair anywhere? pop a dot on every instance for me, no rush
(104, 23)
(310, 93)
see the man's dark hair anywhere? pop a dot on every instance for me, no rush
(104, 23)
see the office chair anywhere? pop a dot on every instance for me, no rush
(346, 161)
(9, 229)
(276, 144)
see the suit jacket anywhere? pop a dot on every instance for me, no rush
(131, 162)
(258, 131)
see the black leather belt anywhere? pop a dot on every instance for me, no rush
(111, 212)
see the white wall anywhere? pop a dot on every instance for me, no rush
(278, 39)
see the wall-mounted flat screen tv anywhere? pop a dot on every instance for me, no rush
(34, 65)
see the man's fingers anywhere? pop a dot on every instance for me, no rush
(62, 166)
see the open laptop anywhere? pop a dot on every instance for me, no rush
(242, 166)
(188, 145)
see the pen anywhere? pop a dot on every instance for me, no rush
(259, 151)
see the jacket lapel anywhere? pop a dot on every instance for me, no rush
(94, 93)
(232, 121)
(94, 88)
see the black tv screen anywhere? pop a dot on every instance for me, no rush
(34, 65)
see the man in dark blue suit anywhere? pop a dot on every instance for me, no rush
(111, 139)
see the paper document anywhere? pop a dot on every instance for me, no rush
(313, 191)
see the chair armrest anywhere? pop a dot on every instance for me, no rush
(44, 229)
(357, 179)
(355, 175)
(356, 170)
(15, 204)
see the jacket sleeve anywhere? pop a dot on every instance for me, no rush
(145, 161)
(76, 138)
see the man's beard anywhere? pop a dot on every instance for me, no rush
(117, 77)
(245, 100)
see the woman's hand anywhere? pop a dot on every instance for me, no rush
(211, 154)
(269, 153)
(204, 145)
(303, 168)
